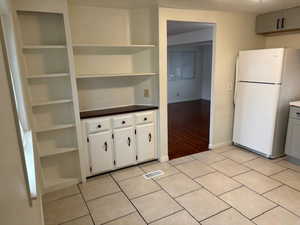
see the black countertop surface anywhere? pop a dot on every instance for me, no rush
(115, 111)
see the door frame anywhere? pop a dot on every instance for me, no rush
(163, 83)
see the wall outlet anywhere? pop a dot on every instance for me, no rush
(177, 94)
(146, 93)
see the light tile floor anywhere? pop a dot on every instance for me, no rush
(226, 186)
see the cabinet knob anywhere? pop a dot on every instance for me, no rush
(99, 126)
(145, 119)
(123, 122)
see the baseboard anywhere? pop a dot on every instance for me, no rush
(164, 158)
(219, 145)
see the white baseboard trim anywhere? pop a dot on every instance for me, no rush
(219, 145)
(164, 158)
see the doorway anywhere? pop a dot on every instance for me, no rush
(190, 47)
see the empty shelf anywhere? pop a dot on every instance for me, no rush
(43, 46)
(63, 101)
(85, 76)
(50, 152)
(42, 76)
(57, 127)
(53, 184)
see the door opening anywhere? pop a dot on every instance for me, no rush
(190, 47)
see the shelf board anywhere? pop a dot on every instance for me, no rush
(44, 47)
(42, 76)
(63, 101)
(57, 151)
(85, 76)
(53, 184)
(111, 46)
(57, 127)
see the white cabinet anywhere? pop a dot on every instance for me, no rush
(101, 152)
(124, 146)
(113, 142)
(145, 142)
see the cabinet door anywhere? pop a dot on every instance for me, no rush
(145, 137)
(124, 147)
(293, 139)
(101, 152)
(292, 19)
(270, 22)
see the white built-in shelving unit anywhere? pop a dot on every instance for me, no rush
(46, 49)
(78, 57)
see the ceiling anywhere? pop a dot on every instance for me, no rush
(175, 27)
(252, 6)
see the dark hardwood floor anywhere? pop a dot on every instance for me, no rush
(188, 126)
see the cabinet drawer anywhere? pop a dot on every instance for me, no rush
(122, 121)
(97, 125)
(295, 113)
(145, 117)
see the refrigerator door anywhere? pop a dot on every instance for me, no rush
(263, 66)
(255, 116)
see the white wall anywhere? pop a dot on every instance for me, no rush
(191, 37)
(234, 32)
(283, 41)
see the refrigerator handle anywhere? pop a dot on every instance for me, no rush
(236, 79)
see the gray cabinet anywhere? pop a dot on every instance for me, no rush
(279, 21)
(292, 148)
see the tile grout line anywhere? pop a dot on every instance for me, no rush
(129, 201)
(90, 214)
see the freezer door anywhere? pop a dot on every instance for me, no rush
(255, 116)
(263, 66)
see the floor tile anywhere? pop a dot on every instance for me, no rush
(180, 160)
(277, 216)
(240, 156)
(168, 172)
(86, 220)
(228, 217)
(110, 207)
(178, 184)
(208, 157)
(127, 173)
(264, 166)
(226, 149)
(138, 186)
(289, 177)
(66, 192)
(156, 205)
(257, 182)
(202, 204)
(180, 218)
(229, 167)
(217, 183)
(148, 167)
(287, 164)
(98, 187)
(286, 197)
(247, 202)
(131, 219)
(63, 210)
(194, 169)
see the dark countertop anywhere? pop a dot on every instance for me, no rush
(115, 111)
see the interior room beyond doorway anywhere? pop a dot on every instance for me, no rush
(190, 47)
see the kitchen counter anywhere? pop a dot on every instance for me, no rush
(296, 104)
(115, 111)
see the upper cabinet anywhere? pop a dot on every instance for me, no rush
(279, 21)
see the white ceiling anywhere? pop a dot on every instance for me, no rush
(175, 27)
(253, 6)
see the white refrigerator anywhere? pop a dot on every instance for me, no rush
(266, 81)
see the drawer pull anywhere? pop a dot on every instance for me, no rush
(129, 141)
(99, 126)
(123, 122)
(105, 146)
(145, 119)
(150, 137)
